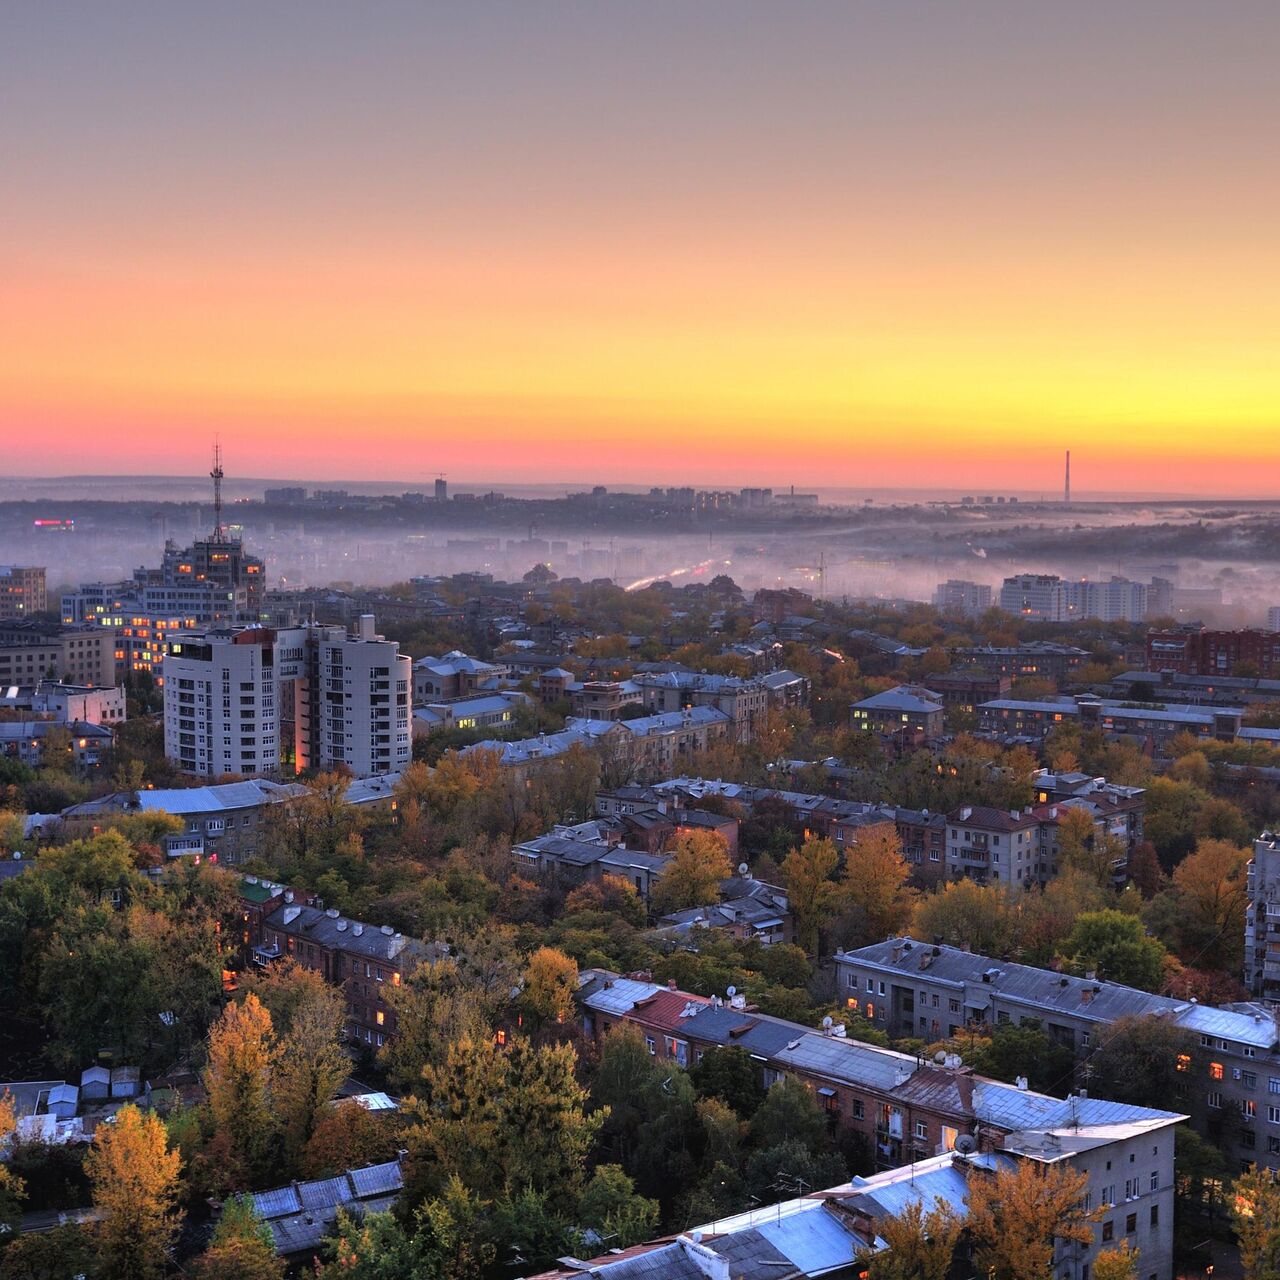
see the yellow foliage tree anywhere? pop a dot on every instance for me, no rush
(550, 981)
(134, 1178)
(699, 862)
(875, 881)
(242, 1054)
(811, 892)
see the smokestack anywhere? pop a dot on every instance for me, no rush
(1066, 491)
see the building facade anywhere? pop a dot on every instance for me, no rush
(31, 652)
(22, 592)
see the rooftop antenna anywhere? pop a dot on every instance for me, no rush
(219, 533)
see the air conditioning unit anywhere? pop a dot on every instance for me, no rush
(1235, 1073)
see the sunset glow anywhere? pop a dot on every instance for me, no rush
(720, 250)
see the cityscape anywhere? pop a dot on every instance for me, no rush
(640, 644)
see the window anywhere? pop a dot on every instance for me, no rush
(1108, 1196)
(1273, 1084)
(1273, 1115)
(1108, 1230)
(1213, 1099)
(651, 1044)
(1155, 1215)
(380, 1018)
(922, 1129)
(1184, 1062)
(1155, 1182)
(1248, 1108)
(953, 1006)
(871, 1009)
(1130, 1224)
(1215, 1071)
(859, 1112)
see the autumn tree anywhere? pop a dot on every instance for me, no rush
(242, 1055)
(1117, 1264)
(550, 984)
(811, 892)
(12, 1191)
(699, 863)
(309, 1064)
(920, 1243)
(1212, 897)
(1255, 1213)
(346, 1135)
(134, 1181)
(874, 884)
(965, 913)
(1016, 1215)
(242, 1248)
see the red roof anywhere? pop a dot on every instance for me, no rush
(662, 1010)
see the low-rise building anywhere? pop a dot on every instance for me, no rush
(65, 703)
(30, 742)
(476, 711)
(1152, 724)
(907, 715)
(1230, 1070)
(364, 959)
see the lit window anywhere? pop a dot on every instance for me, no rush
(1215, 1071)
(1184, 1062)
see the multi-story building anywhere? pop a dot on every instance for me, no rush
(1198, 652)
(224, 823)
(1033, 595)
(908, 715)
(907, 1109)
(22, 592)
(33, 651)
(1154, 723)
(968, 599)
(30, 742)
(604, 699)
(256, 700)
(1273, 618)
(965, 689)
(1035, 660)
(744, 702)
(1262, 919)
(65, 703)
(454, 676)
(1230, 1067)
(365, 960)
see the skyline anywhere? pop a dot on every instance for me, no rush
(912, 248)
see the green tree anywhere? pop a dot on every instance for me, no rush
(1139, 1059)
(610, 1204)
(242, 1248)
(788, 1113)
(309, 1065)
(729, 1074)
(238, 1077)
(1116, 947)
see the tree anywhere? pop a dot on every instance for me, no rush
(1212, 898)
(134, 1180)
(1015, 1217)
(1117, 1264)
(309, 1065)
(12, 1190)
(1116, 947)
(550, 984)
(1140, 1059)
(242, 1054)
(501, 1120)
(788, 1113)
(874, 885)
(920, 1244)
(965, 913)
(729, 1074)
(811, 892)
(1025, 1050)
(1255, 1213)
(346, 1135)
(699, 862)
(242, 1248)
(610, 1204)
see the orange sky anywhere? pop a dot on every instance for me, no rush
(856, 247)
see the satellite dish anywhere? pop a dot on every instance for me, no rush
(965, 1145)
(731, 991)
(827, 1021)
(940, 1057)
(743, 868)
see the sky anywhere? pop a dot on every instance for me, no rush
(863, 244)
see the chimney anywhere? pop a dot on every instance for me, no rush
(1021, 1082)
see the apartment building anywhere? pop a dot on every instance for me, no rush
(1152, 723)
(957, 596)
(908, 715)
(744, 701)
(31, 652)
(365, 960)
(905, 1108)
(22, 592)
(454, 675)
(1034, 660)
(1200, 652)
(66, 703)
(27, 742)
(1262, 919)
(257, 700)
(1230, 1069)
(1044, 597)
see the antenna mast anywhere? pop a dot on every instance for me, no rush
(219, 533)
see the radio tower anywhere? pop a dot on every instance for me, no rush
(219, 533)
(1066, 490)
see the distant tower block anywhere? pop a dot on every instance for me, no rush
(1066, 488)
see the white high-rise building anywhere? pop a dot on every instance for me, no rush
(959, 596)
(1033, 595)
(261, 701)
(1273, 619)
